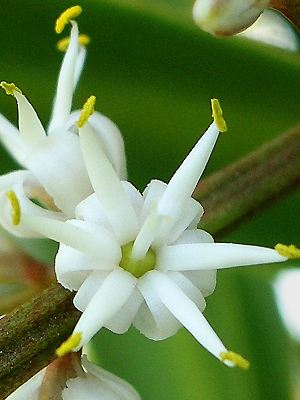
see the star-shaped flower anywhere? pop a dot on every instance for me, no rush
(140, 259)
(55, 175)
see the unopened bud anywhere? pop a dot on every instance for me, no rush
(227, 17)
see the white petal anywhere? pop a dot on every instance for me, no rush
(122, 320)
(122, 388)
(23, 184)
(151, 195)
(91, 210)
(88, 289)
(79, 65)
(30, 126)
(30, 389)
(72, 267)
(58, 165)
(153, 319)
(65, 85)
(194, 236)
(287, 295)
(188, 288)
(204, 280)
(12, 140)
(110, 297)
(188, 257)
(79, 235)
(185, 179)
(108, 188)
(112, 141)
(185, 311)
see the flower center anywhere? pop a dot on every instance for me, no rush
(140, 267)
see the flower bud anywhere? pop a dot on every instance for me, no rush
(227, 17)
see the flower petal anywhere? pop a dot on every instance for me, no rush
(12, 140)
(65, 85)
(24, 185)
(30, 389)
(58, 165)
(185, 179)
(30, 126)
(188, 257)
(108, 188)
(185, 311)
(110, 297)
(77, 234)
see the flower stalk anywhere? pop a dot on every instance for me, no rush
(30, 335)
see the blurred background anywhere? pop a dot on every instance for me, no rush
(154, 73)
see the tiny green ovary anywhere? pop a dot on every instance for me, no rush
(140, 267)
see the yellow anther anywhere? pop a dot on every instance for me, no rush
(15, 205)
(217, 115)
(10, 88)
(235, 358)
(63, 44)
(69, 345)
(66, 17)
(87, 110)
(290, 251)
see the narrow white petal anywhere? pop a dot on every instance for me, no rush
(111, 194)
(120, 387)
(58, 165)
(98, 243)
(194, 236)
(110, 297)
(65, 85)
(206, 281)
(112, 142)
(23, 184)
(185, 311)
(79, 65)
(30, 389)
(88, 289)
(187, 257)
(12, 140)
(146, 236)
(30, 126)
(185, 179)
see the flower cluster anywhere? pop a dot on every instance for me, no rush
(132, 258)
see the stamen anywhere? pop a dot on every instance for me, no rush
(87, 110)
(66, 17)
(70, 344)
(290, 251)
(217, 115)
(63, 44)
(235, 358)
(10, 88)
(15, 205)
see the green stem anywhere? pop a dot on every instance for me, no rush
(260, 178)
(30, 335)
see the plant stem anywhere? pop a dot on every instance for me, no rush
(30, 335)
(261, 177)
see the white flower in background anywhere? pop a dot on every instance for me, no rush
(75, 380)
(287, 294)
(55, 174)
(140, 259)
(273, 29)
(226, 17)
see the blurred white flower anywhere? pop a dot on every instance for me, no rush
(87, 382)
(55, 175)
(273, 29)
(287, 294)
(140, 258)
(226, 17)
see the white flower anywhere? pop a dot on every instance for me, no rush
(88, 382)
(222, 18)
(55, 174)
(140, 258)
(287, 296)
